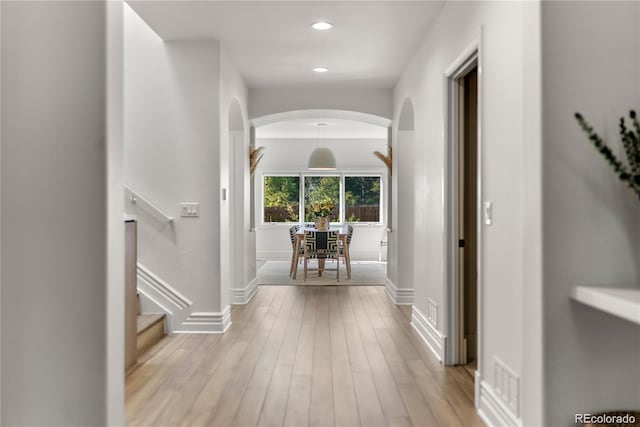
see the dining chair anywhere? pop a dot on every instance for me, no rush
(348, 239)
(294, 256)
(344, 252)
(321, 245)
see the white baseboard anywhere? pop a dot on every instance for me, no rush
(206, 323)
(477, 380)
(160, 291)
(244, 295)
(160, 296)
(399, 296)
(491, 408)
(430, 335)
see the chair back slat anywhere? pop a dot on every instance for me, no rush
(321, 244)
(292, 234)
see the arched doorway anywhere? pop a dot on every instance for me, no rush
(289, 138)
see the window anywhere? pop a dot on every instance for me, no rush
(342, 197)
(362, 198)
(321, 197)
(281, 199)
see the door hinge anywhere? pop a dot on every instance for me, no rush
(461, 243)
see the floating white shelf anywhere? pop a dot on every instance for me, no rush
(620, 302)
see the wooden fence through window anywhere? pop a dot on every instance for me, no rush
(362, 213)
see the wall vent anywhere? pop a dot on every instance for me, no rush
(507, 386)
(432, 313)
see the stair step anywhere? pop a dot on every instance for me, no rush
(151, 330)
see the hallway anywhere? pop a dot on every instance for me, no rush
(302, 356)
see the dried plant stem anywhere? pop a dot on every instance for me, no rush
(255, 155)
(385, 159)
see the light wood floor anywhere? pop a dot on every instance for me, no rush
(302, 356)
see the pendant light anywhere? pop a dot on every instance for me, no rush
(322, 158)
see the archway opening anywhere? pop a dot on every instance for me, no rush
(288, 139)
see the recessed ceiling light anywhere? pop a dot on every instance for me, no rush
(321, 69)
(321, 25)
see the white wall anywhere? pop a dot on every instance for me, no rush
(532, 357)
(377, 102)
(115, 208)
(172, 146)
(0, 212)
(404, 186)
(234, 138)
(591, 64)
(503, 73)
(291, 156)
(54, 214)
(402, 241)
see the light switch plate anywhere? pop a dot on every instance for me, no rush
(488, 212)
(190, 209)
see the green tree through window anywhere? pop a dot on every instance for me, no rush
(321, 193)
(281, 198)
(362, 198)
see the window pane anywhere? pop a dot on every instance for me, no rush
(362, 198)
(281, 198)
(322, 197)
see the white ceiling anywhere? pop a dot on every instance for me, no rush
(308, 129)
(273, 45)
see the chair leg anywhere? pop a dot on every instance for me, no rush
(305, 268)
(294, 267)
(338, 271)
(293, 263)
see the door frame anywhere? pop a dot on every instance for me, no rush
(469, 58)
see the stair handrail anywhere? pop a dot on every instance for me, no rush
(137, 199)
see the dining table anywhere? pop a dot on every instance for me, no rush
(342, 237)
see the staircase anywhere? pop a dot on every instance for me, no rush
(142, 330)
(150, 328)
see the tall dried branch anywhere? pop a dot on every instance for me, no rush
(387, 160)
(255, 155)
